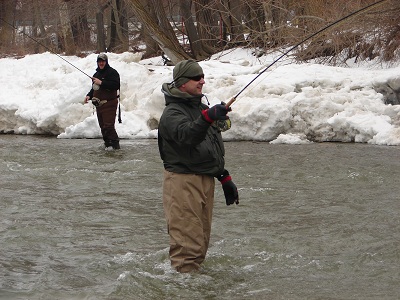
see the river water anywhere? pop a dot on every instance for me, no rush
(316, 221)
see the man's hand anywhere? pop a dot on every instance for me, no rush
(96, 81)
(87, 98)
(217, 112)
(229, 188)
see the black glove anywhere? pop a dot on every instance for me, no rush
(217, 112)
(230, 189)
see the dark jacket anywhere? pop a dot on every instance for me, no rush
(188, 144)
(109, 86)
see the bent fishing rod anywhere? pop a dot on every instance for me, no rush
(230, 102)
(47, 48)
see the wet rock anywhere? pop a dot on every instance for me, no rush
(390, 91)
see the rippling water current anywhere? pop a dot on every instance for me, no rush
(318, 221)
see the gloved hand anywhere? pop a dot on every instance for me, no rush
(216, 112)
(230, 189)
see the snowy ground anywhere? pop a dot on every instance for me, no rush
(290, 103)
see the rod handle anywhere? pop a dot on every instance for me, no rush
(230, 102)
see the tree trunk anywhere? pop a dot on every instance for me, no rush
(255, 23)
(277, 20)
(79, 24)
(208, 25)
(101, 36)
(163, 36)
(6, 31)
(161, 18)
(119, 40)
(68, 39)
(196, 45)
(152, 48)
(38, 29)
(230, 14)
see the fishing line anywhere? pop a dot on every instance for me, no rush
(230, 102)
(265, 77)
(47, 48)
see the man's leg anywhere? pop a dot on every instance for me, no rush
(108, 112)
(185, 203)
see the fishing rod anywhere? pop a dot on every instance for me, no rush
(47, 48)
(230, 102)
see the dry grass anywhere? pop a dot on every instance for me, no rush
(266, 24)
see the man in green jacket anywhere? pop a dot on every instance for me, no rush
(192, 151)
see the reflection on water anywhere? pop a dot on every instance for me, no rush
(315, 221)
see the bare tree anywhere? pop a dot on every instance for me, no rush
(38, 29)
(210, 25)
(7, 9)
(77, 12)
(391, 37)
(230, 12)
(165, 37)
(360, 36)
(152, 48)
(199, 52)
(101, 36)
(119, 40)
(68, 39)
(254, 22)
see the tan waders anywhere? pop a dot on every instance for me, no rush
(188, 203)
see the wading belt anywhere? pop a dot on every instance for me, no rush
(97, 102)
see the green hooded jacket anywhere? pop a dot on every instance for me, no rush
(188, 144)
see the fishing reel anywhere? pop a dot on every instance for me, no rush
(223, 125)
(95, 87)
(96, 101)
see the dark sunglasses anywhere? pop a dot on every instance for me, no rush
(196, 78)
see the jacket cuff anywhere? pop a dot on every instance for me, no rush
(223, 177)
(206, 117)
(226, 179)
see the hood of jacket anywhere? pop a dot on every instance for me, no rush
(107, 66)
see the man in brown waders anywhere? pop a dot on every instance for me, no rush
(104, 95)
(192, 150)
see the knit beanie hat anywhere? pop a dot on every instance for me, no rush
(185, 69)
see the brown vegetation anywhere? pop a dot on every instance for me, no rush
(199, 28)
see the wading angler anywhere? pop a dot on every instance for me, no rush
(104, 96)
(192, 150)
